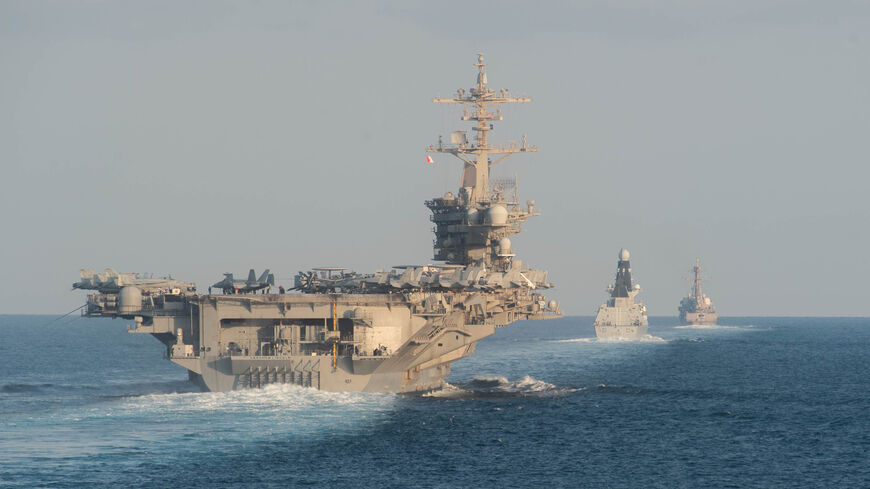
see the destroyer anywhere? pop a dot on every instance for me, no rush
(390, 331)
(620, 317)
(697, 308)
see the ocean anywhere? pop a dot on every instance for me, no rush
(758, 402)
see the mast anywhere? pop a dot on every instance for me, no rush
(480, 100)
(622, 286)
(696, 283)
(472, 229)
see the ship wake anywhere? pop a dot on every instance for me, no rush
(647, 338)
(286, 409)
(714, 326)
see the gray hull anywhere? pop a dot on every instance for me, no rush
(624, 332)
(699, 318)
(624, 320)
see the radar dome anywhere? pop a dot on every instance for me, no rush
(472, 216)
(498, 215)
(504, 244)
(129, 299)
(624, 254)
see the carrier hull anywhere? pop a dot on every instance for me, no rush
(401, 342)
(316, 372)
(367, 358)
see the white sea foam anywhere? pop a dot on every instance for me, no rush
(713, 326)
(447, 390)
(275, 409)
(577, 340)
(499, 386)
(194, 420)
(647, 338)
(283, 398)
(531, 384)
(526, 385)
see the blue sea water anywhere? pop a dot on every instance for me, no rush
(761, 402)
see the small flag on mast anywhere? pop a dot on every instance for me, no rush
(429, 159)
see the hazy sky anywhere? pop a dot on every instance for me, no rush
(197, 138)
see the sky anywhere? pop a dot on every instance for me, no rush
(194, 138)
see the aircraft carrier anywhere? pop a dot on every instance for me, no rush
(620, 317)
(395, 330)
(696, 308)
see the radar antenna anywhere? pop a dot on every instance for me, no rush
(697, 278)
(472, 229)
(481, 100)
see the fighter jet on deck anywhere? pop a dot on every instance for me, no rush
(111, 282)
(229, 285)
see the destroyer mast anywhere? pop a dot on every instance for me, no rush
(697, 308)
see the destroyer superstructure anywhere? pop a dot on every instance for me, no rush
(697, 308)
(620, 317)
(390, 331)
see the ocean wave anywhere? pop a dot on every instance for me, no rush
(280, 409)
(631, 390)
(647, 338)
(119, 390)
(692, 340)
(24, 388)
(447, 390)
(276, 397)
(497, 386)
(713, 326)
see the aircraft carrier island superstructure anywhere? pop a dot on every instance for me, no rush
(390, 331)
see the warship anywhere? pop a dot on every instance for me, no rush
(620, 317)
(696, 308)
(395, 330)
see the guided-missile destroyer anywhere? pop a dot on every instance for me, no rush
(620, 317)
(397, 330)
(697, 308)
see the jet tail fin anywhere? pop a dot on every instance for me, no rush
(263, 278)
(252, 277)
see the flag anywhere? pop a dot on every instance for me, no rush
(429, 159)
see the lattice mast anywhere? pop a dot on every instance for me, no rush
(696, 280)
(472, 229)
(480, 100)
